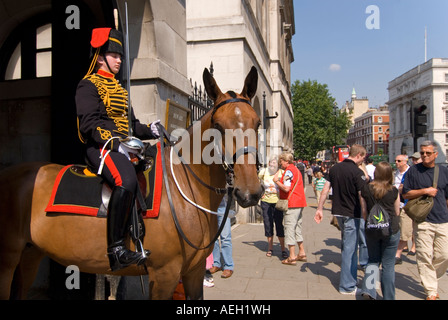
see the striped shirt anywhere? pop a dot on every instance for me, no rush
(320, 183)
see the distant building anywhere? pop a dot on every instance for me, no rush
(356, 107)
(371, 130)
(425, 84)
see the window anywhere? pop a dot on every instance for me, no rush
(380, 129)
(446, 77)
(380, 119)
(43, 51)
(31, 57)
(446, 96)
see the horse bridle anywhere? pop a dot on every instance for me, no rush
(228, 168)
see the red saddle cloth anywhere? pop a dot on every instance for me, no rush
(78, 191)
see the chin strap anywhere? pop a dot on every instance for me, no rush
(107, 64)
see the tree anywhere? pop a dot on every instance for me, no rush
(316, 125)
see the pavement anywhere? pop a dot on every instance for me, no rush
(258, 277)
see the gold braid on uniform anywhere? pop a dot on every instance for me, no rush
(105, 134)
(115, 98)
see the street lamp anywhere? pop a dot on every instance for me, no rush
(335, 108)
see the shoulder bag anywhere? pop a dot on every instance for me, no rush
(418, 209)
(282, 204)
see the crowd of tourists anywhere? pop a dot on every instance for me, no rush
(356, 187)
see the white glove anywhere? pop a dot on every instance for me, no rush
(154, 129)
(131, 147)
(125, 150)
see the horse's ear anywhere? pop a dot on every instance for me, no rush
(250, 84)
(210, 85)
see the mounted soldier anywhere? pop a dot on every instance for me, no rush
(106, 125)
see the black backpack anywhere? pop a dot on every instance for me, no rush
(378, 223)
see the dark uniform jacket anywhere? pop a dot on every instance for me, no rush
(102, 111)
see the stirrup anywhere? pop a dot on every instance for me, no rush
(120, 257)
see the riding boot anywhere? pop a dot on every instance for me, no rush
(119, 209)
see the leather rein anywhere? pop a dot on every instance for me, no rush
(228, 168)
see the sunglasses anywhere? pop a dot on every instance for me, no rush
(426, 153)
(399, 160)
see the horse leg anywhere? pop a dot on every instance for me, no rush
(163, 282)
(25, 272)
(7, 268)
(10, 256)
(193, 283)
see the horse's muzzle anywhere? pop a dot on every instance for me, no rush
(247, 199)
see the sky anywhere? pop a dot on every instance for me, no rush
(347, 44)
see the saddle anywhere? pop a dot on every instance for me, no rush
(79, 191)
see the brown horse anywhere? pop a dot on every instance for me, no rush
(27, 234)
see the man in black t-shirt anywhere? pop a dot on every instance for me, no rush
(347, 180)
(432, 234)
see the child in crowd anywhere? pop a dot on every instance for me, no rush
(319, 183)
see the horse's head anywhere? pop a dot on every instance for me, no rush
(238, 123)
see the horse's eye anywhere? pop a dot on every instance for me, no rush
(217, 126)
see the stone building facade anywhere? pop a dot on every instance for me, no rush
(426, 84)
(236, 35)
